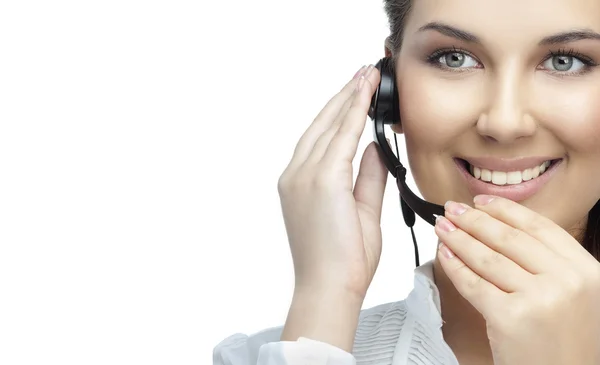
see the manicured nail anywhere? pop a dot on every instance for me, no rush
(483, 199)
(444, 224)
(369, 70)
(447, 252)
(359, 72)
(360, 83)
(455, 208)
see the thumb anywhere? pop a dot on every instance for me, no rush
(371, 180)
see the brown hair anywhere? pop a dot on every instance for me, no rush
(397, 11)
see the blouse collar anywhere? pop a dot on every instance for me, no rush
(424, 299)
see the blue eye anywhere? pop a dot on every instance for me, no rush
(563, 63)
(453, 59)
(457, 60)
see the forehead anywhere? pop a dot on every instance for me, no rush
(507, 19)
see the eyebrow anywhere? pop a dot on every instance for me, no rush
(450, 31)
(565, 37)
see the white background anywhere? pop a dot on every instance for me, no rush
(140, 147)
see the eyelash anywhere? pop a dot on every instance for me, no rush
(588, 62)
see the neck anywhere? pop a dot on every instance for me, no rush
(464, 328)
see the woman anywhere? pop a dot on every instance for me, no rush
(499, 108)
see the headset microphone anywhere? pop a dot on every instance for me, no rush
(384, 110)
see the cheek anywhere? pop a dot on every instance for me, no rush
(568, 115)
(571, 113)
(435, 110)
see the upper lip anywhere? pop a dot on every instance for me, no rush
(507, 164)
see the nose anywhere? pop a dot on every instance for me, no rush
(506, 119)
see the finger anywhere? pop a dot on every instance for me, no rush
(323, 121)
(518, 246)
(483, 295)
(491, 265)
(323, 141)
(370, 182)
(543, 229)
(345, 142)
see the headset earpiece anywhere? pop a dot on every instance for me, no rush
(384, 109)
(385, 99)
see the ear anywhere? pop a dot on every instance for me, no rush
(387, 47)
(397, 128)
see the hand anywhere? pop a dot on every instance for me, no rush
(334, 229)
(536, 286)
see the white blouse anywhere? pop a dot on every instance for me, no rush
(408, 332)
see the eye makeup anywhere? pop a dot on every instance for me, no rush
(571, 56)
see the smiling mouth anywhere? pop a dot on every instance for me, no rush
(501, 178)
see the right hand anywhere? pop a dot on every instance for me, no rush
(333, 228)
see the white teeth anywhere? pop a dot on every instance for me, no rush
(498, 177)
(514, 177)
(508, 178)
(486, 175)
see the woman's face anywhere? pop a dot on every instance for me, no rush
(506, 86)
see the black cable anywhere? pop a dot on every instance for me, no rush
(412, 231)
(415, 246)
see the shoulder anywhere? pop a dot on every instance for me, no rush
(379, 325)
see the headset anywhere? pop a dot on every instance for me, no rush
(384, 109)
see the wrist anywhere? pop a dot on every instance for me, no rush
(328, 316)
(353, 290)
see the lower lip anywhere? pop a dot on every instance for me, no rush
(516, 192)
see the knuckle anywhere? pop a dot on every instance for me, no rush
(368, 84)
(283, 183)
(477, 217)
(547, 300)
(291, 183)
(491, 259)
(359, 104)
(511, 234)
(474, 281)
(536, 224)
(590, 273)
(573, 282)
(340, 137)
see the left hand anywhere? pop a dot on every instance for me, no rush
(536, 286)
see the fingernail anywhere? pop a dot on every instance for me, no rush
(483, 199)
(444, 224)
(359, 72)
(447, 252)
(455, 208)
(369, 70)
(360, 83)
